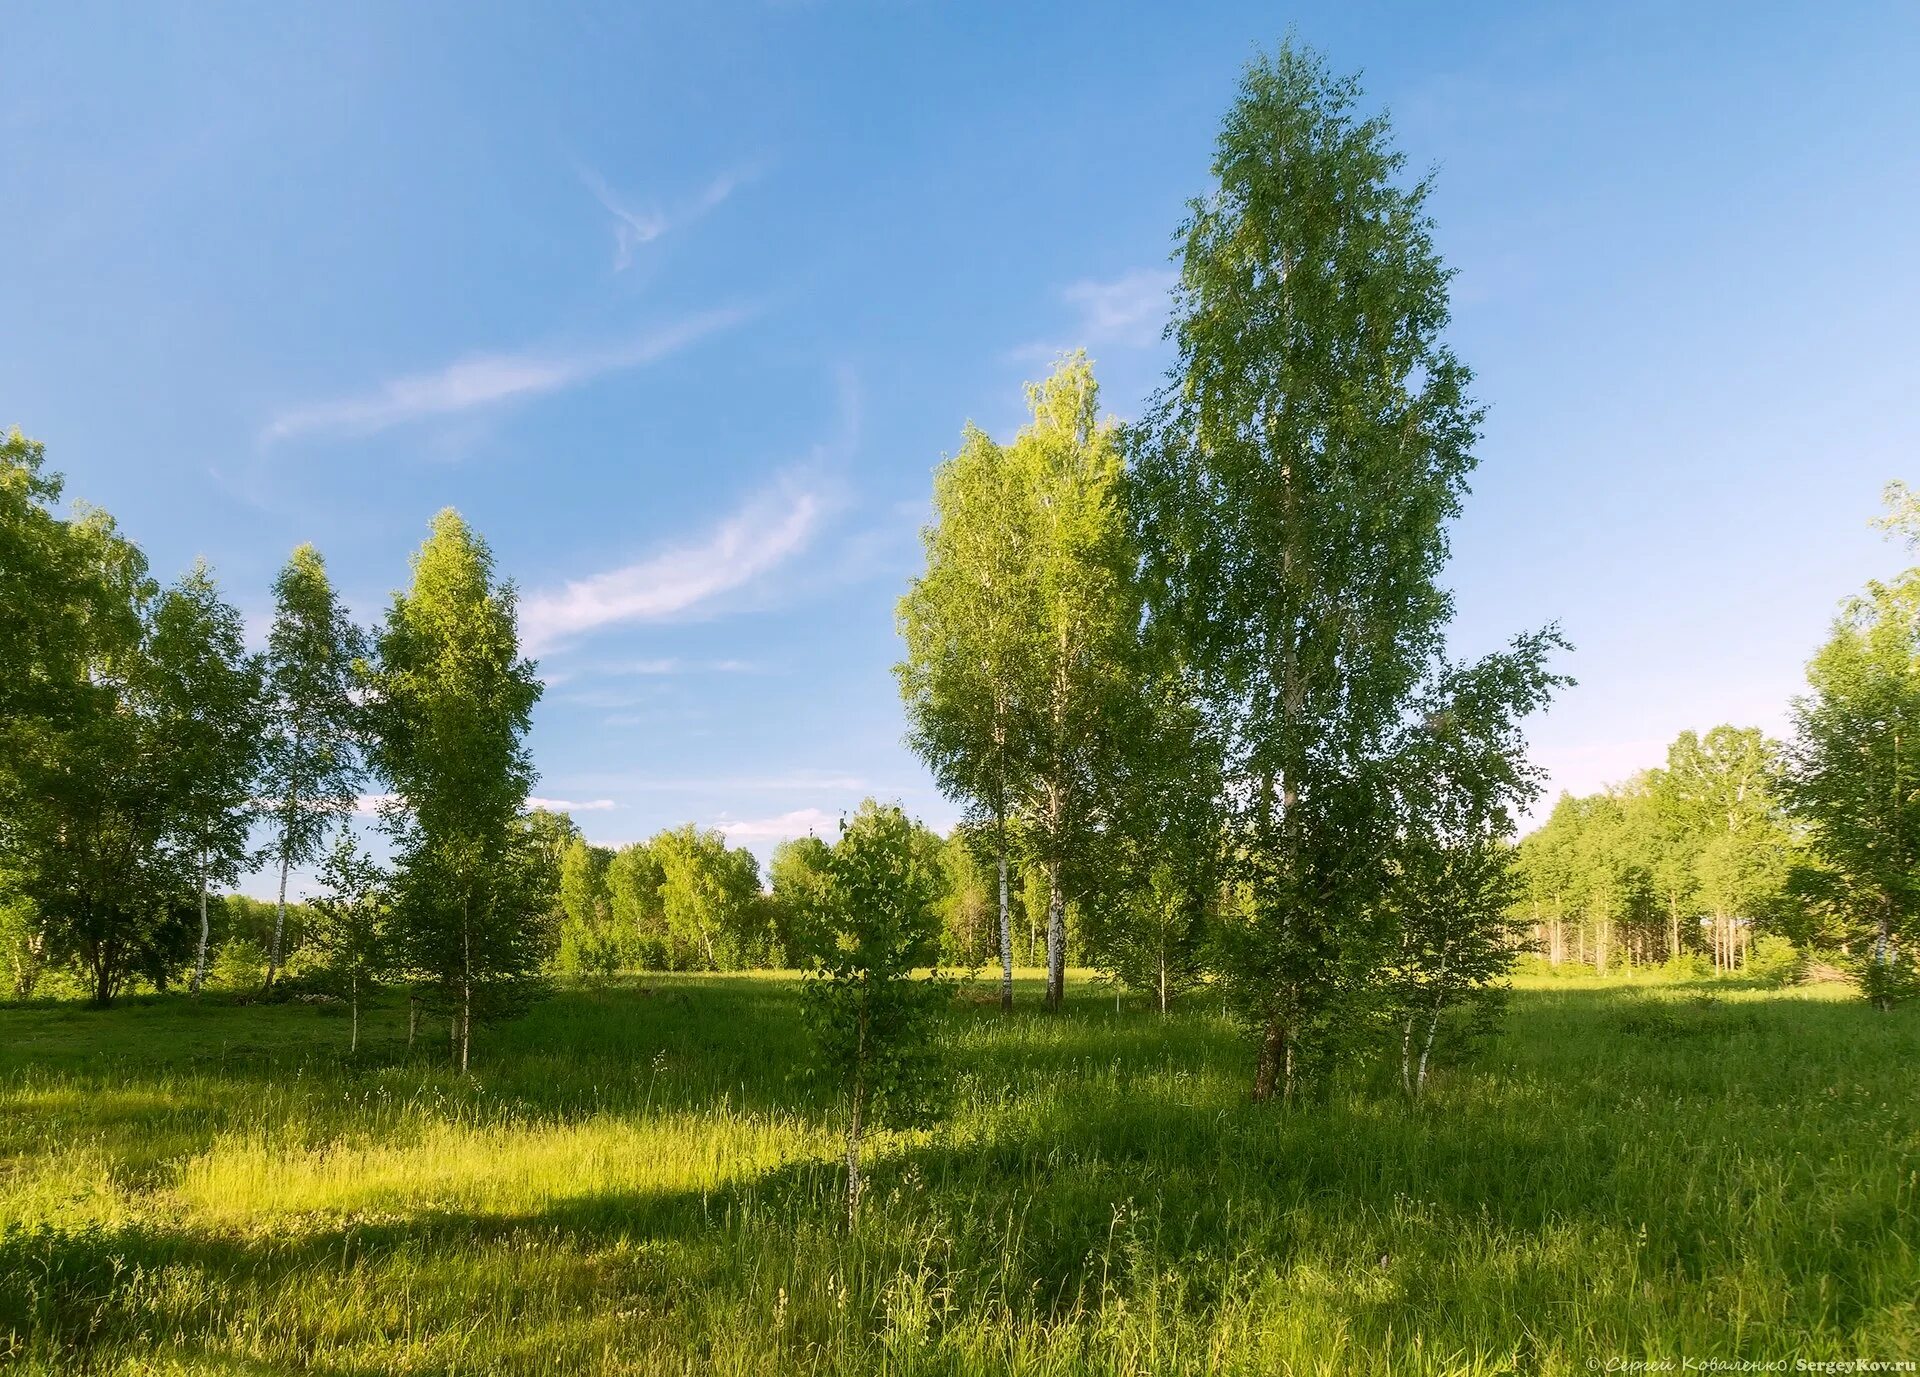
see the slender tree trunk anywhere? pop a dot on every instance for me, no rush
(853, 1157)
(1006, 934)
(1163, 984)
(1426, 1052)
(1433, 1023)
(279, 926)
(413, 1016)
(1406, 1056)
(353, 993)
(1056, 938)
(1272, 1066)
(853, 1119)
(466, 981)
(200, 957)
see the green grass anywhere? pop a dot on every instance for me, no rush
(634, 1180)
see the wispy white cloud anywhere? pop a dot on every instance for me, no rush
(635, 226)
(1127, 311)
(781, 827)
(817, 781)
(764, 534)
(671, 665)
(563, 805)
(488, 380)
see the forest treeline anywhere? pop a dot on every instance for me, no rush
(1190, 678)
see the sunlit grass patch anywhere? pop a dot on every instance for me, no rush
(638, 1178)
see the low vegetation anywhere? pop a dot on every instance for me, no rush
(636, 1178)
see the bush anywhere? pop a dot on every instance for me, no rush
(1775, 961)
(240, 964)
(1887, 982)
(1689, 965)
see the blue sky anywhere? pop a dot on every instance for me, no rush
(680, 305)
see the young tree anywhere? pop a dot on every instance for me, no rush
(350, 926)
(312, 758)
(968, 621)
(1294, 485)
(1855, 769)
(870, 924)
(207, 700)
(1465, 780)
(1155, 872)
(450, 702)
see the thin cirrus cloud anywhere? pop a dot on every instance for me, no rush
(761, 536)
(486, 380)
(634, 227)
(1128, 311)
(563, 805)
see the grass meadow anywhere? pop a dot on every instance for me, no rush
(635, 1179)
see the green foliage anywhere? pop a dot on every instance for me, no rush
(633, 891)
(871, 920)
(968, 930)
(707, 900)
(127, 742)
(352, 931)
(798, 876)
(967, 621)
(589, 943)
(23, 943)
(1463, 780)
(1775, 961)
(239, 963)
(1642, 868)
(312, 763)
(209, 709)
(1856, 772)
(1292, 488)
(450, 702)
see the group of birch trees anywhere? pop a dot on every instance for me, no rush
(1684, 860)
(1741, 841)
(148, 756)
(1193, 669)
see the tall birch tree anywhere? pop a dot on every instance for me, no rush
(207, 699)
(1077, 658)
(967, 620)
(1297, 476)
(450, 701)
(312, 758)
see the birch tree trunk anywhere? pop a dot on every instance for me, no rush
(1056, 938)
(1006, 934)
(279, 926)
(200, 957)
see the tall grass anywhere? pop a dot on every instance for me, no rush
(635, 1179)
